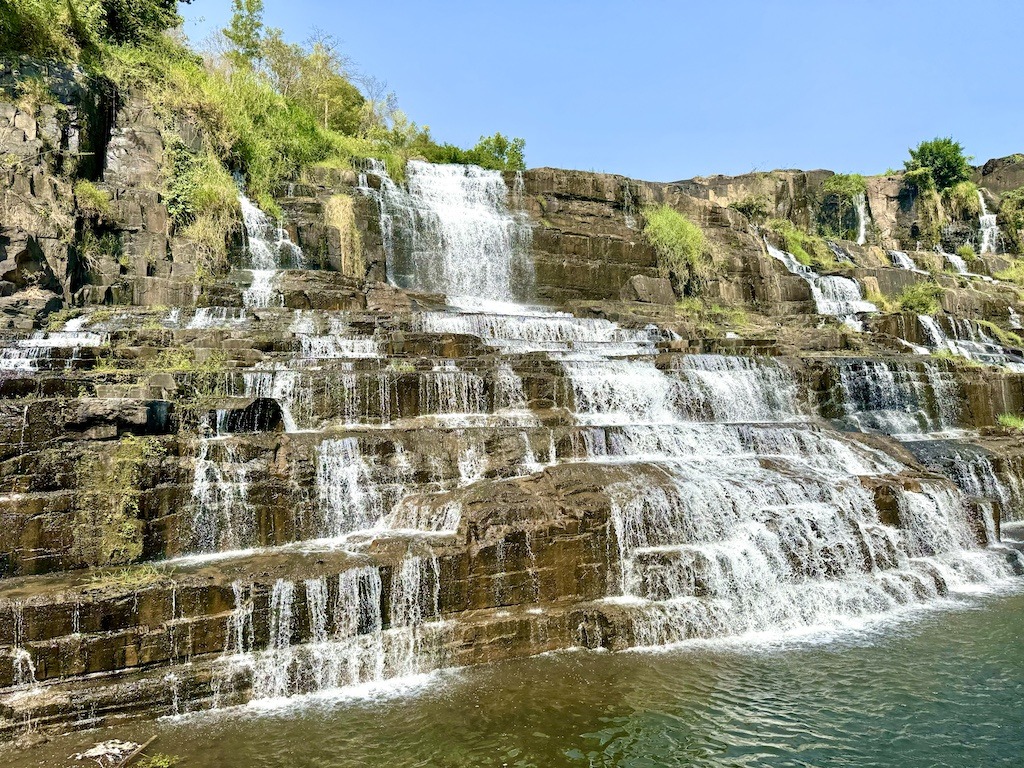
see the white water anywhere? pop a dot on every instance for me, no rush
(861, 204)
(833, 295)
(268, 249)
(450, 231)
(903, 261)
(957, 263)
(989, 227)
(732, 510)
(31, 353)
(970, 341)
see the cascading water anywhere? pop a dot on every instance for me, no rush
(833, 295)
(451, 232)
(860, 202)
(268, 249)
(969, 340)
(740, 512)
(903, 261)
(988, 227)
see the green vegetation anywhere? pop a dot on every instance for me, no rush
(1011, 218)
(966, 252)
(107, 529)
(809, 250)
(1004, 337)
(754, 207)
(1011, 421)
(880, 300)
(712, 318)
(1014, 273)
(340, 214)
(845, 185)
(962, 201)
(257, 105)
(92, 200)
(681, 247)
(921, 299)
(940, 163)
(132, 578)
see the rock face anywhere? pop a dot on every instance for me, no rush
(470, 482)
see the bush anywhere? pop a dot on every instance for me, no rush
(680, 245)
(966, 253)
(754, 207)
(494, 152)
(809, 250)
(945, 160)
(921, 299)
(91, 200)
(1011, 421)
(1014, 273)
(962, 201)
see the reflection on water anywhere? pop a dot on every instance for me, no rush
(944, 690)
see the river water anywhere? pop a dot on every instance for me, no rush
(943, 686)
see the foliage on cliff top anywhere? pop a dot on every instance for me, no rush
(943, 159)
(962, 201)
(681, 247)
(66, 28)
(845, 185)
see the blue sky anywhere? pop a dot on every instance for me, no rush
(669, 90)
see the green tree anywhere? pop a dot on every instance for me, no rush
(244, 32)
(941, 159)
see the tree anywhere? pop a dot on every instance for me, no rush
(245, 32)
(941, 159)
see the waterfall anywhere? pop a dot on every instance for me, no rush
(268, 249)
(898, 398)
(451, 232)
(970, 341)
(331, 632)
(901, 260)
(957, 263)
(1014, 319)
(860, 202)
(833, 295)
(347, 492)
(31, 353)
(989, 227)
(222, 516)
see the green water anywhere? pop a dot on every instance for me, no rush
(940, 688)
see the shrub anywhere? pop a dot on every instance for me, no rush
(966, 252)
(1014, 273)
(920, 179)
(754, 207)
(921, 299)
(680, 245)
(809, 250)
(945, 160)
(962, 200)
(91, 200)
(1011, 421)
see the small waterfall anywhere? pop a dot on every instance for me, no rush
(31, 353)
(446, 390)
(988, 227)
(283, 386)
(898, 398)
(1014, 319)
(860, 202)
(216, 317)
(451, 232)
(222, 517)
(268, 249)
(327, 633)
(957, 263)
(833, 295)
(738, 388)
(24, 668)
(970, 341)
(347, 492)
(901, 260)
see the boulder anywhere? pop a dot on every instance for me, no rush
(648, 290)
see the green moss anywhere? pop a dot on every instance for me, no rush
(1011, 218)
(681, 247)
(1014, 273)
(921, 299)
(1004, 337)
(712, 318)
(107, 529)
